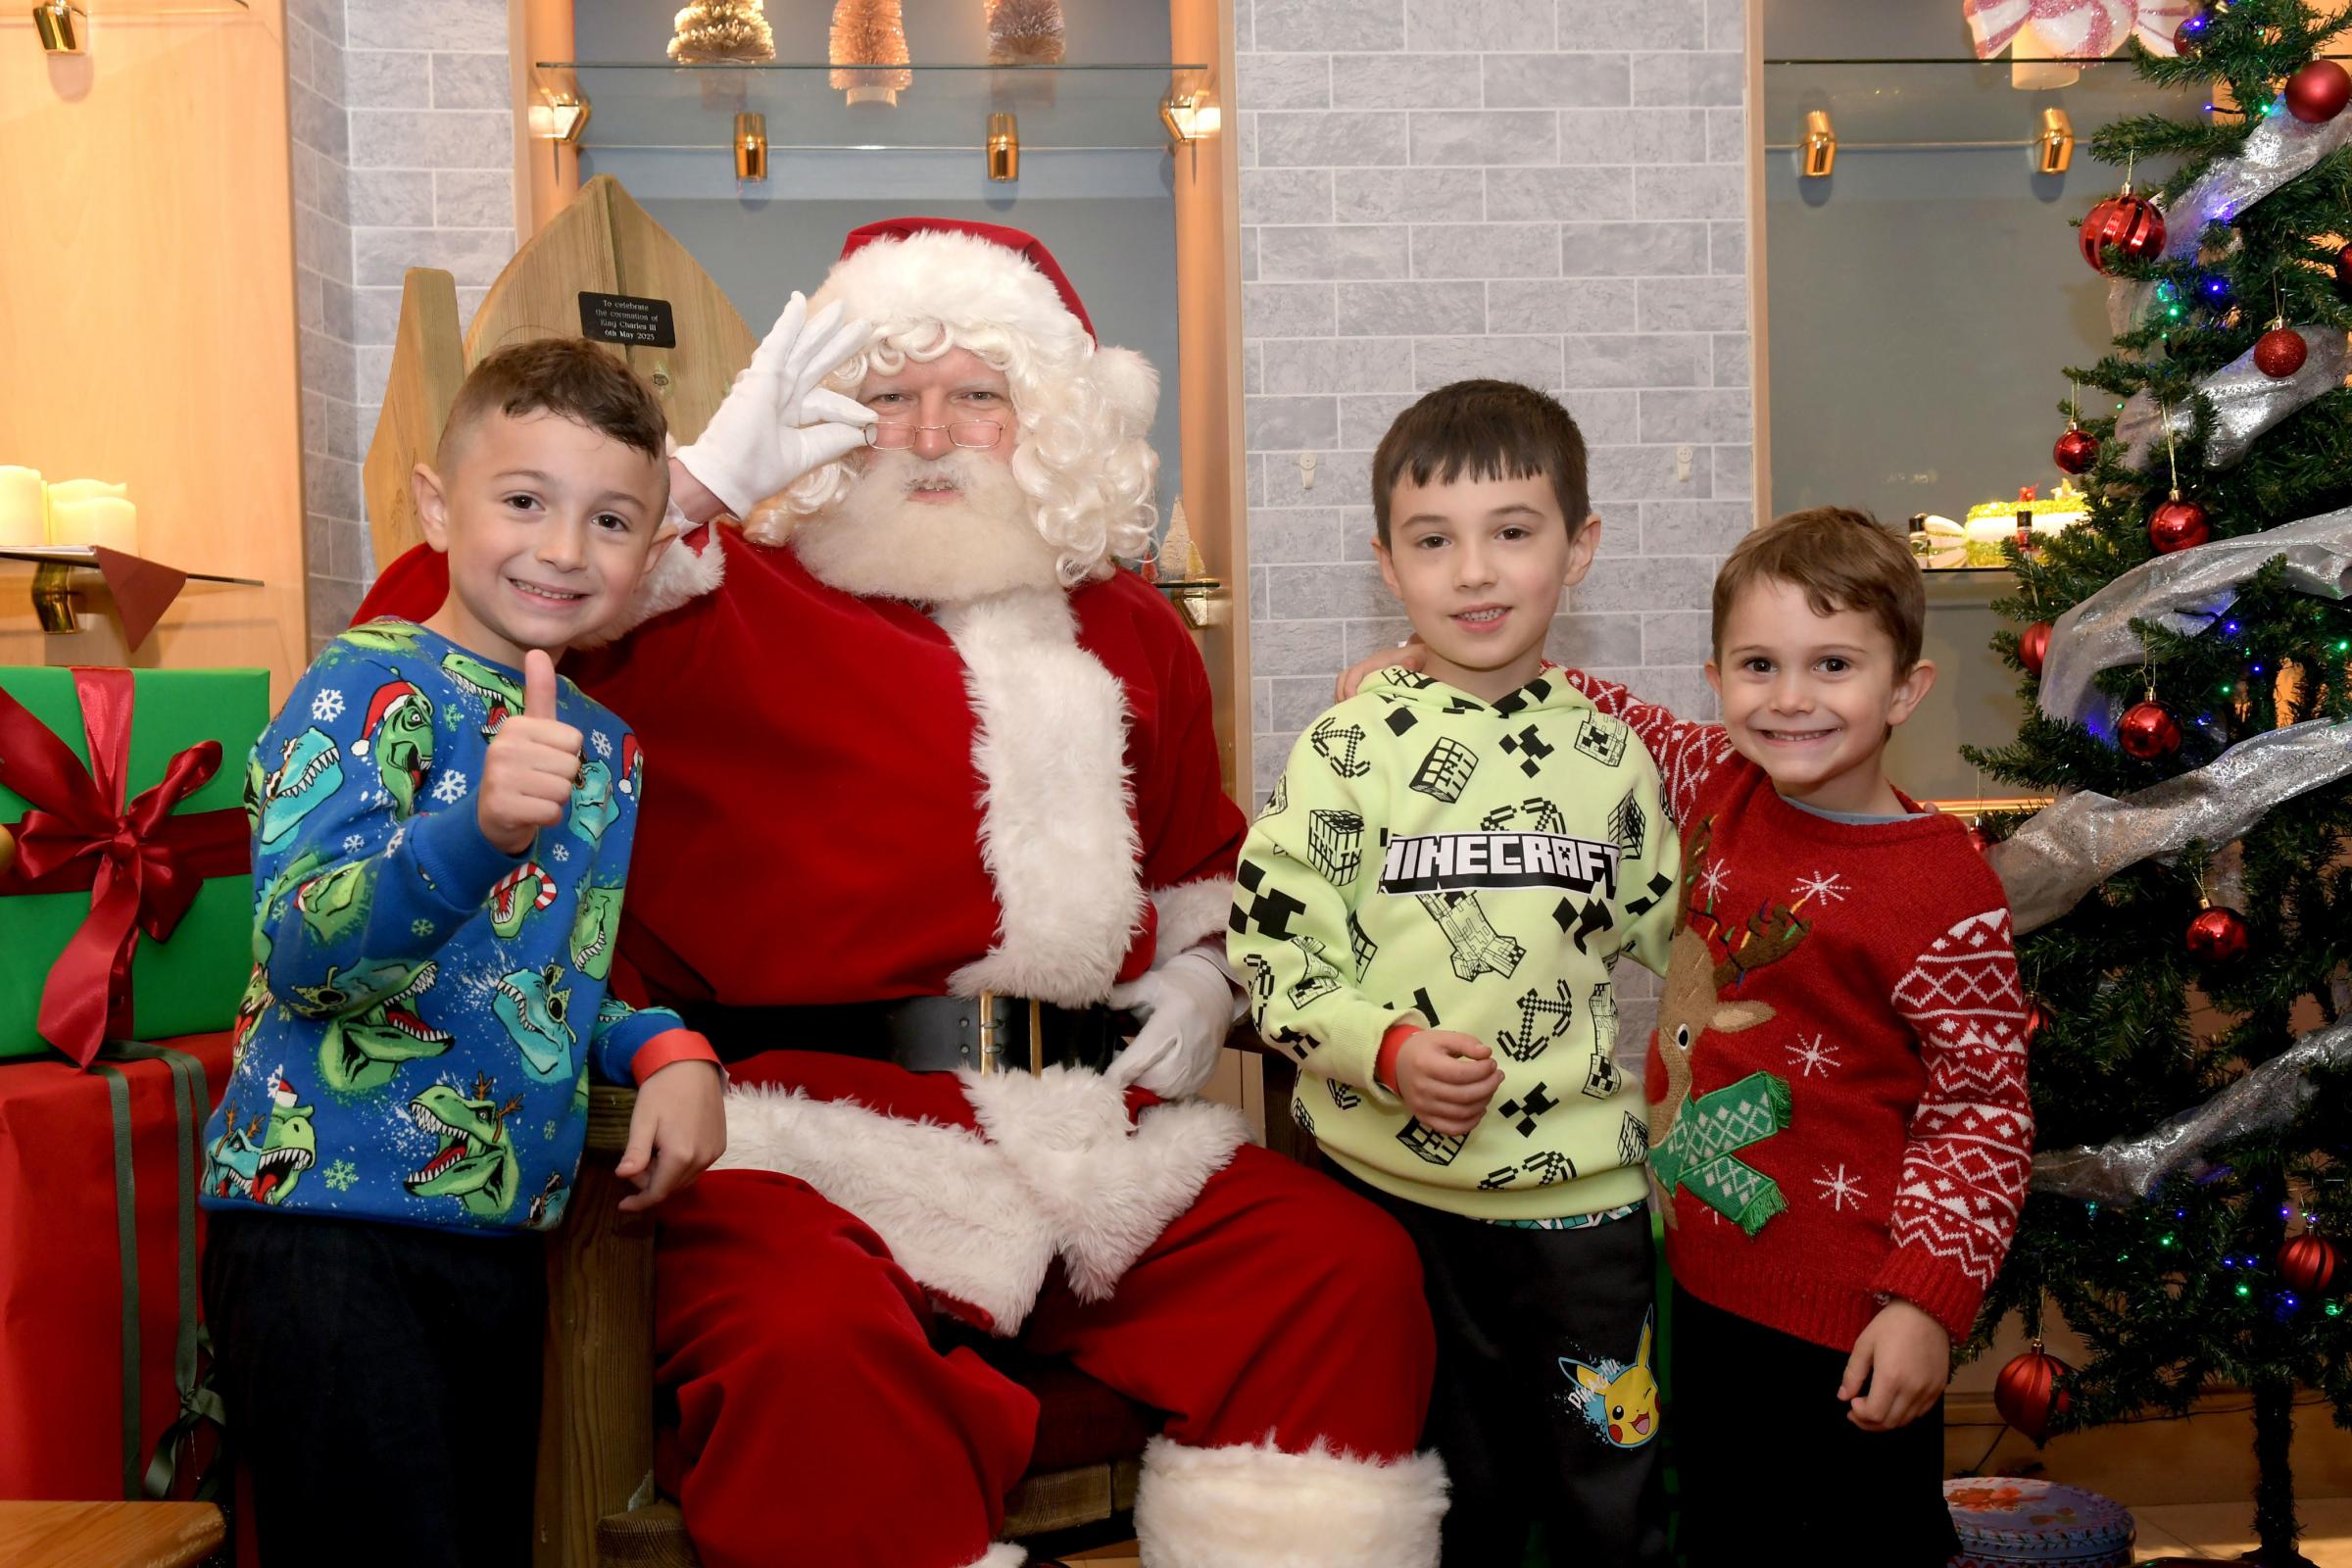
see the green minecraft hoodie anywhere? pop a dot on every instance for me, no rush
(1475, 867)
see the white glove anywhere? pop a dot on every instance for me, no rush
(778, 420)
(1188, 1006)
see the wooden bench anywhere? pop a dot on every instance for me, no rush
(102, 1534)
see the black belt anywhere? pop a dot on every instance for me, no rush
(993, 1033)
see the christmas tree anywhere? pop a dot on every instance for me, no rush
(710, 30)
(2185, 907)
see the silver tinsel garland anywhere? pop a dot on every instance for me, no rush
(2278, 147)
(2125, 1170)
(2245, 404)
(2064, 851)
(2184, 593)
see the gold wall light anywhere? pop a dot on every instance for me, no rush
(751, 146)
(63, 26)
(1004, 148)
(2057, 141)
(560, 118)
(1189, 117)
(1819, 148)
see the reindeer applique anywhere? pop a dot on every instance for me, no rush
(1694, 1143)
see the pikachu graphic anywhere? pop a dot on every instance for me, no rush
(1621, 1401)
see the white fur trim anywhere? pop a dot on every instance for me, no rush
(953, 1212)
(1104, 1192)
(1003, 1554)
(959, 279)
(1125, 381)
(678, 574)
(1192, 913)
(1248, 1507)
(1050, 741)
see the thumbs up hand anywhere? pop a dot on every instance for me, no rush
(533, 763)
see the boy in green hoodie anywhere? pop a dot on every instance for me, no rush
(1429, 908)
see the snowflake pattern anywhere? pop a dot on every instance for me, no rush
(1828, 886)
(354, 842)
(1839, 1190)
(548, 1128)
(1816, 1056)
(559, 853)
(399, 837)
(452, 788)
(604, 747)
(341, 1175)
(421, 926)
(327, 705)
(1712, 878)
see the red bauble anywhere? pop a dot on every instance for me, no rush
(2130, 224)
(2343, 272)
(2187, 36)
(2033, 646)
(2279, 352)
(2076, 451)
(2178, 526)
(2216, 935)
(2031, 1390)
(2308, 1262)
(2149, 732)
(2319, 92)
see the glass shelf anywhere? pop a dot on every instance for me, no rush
(661, 106)
(101, 11)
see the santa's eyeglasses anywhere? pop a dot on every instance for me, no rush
(973, 435)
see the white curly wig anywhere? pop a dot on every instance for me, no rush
(1083, 412)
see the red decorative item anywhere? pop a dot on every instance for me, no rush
(2279, 352)
(2130, 223)
(2307, 1263)
(2033, 646)
(2149, 732)
(2216, 935)
(2031, 1390)
(2343, 271)
(2076, 450)
(2190, 35)
(2177, 524)
(2319, 92)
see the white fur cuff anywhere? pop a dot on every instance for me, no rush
(1003, 1554)
(1252, 1507)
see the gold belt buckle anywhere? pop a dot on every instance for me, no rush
(991, 1057)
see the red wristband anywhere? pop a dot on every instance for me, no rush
(671, 1045)
(1384, 1066)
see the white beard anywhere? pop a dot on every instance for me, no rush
(879, 540)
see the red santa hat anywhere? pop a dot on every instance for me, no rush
(388, 695)
(630, 755)
(966, 276)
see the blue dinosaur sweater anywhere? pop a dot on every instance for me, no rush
(415, 1041)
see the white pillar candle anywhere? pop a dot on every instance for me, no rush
(92, 512)
(24, 511)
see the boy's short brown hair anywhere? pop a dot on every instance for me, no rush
(1485, 431)
(1842, 559)
(566, 375)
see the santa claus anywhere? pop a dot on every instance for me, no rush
(935, 799)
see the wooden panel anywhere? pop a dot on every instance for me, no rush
(88, 1534)
(148, 311)
(428, 365)
(596, 1413)
(1208, 334)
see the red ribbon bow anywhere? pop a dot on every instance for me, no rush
(142, 866)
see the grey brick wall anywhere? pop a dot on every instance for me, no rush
(1550, 192)
(403, 157)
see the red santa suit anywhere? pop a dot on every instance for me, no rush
(854, 799)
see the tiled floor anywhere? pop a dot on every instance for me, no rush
(2222, 1530)
(2218, 1531)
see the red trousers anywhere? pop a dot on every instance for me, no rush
(819, 1426)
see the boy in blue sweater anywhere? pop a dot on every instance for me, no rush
(441, 838)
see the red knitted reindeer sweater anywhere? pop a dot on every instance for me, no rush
(1837, 1081)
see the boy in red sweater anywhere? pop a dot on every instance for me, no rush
(1838, 1124)
(1839, 1118)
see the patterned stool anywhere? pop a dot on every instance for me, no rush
(2005, 1520)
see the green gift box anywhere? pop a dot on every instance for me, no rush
(126, 911)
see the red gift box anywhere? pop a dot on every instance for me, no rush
(66, 1431)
